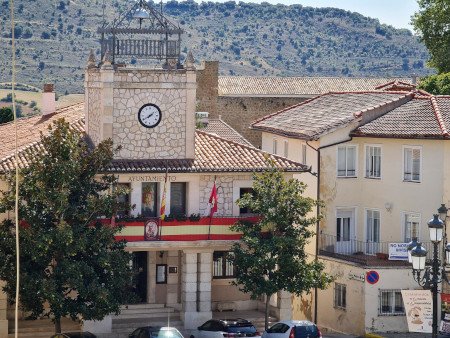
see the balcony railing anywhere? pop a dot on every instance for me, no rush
(205, 228)
(362, 252)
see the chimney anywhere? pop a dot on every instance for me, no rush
(414, 77)
(48, 99)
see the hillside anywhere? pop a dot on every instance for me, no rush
(54, 39)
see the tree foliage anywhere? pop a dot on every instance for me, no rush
(271, 255)
(68, 260)
(6, 115)
(436, 84)
(431, 22)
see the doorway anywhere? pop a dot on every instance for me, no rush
(140, 276)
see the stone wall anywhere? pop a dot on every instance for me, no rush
(207, 87)
(225, 196)
(240, 112)
(93, 105)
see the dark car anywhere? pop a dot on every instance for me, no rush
(220, 328)
(156, 332)
(74, 335)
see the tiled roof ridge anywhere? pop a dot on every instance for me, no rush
(437, 113)
(286, 109)
(248, 147)
(234, 130)
(395, 82)
(360, 113)
(57, 111)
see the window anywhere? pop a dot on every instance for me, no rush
(286, 148)
(242, 192)
(178, 198)
(123, 200)
(303, 153)
(278, 328)
(373, 162)
(411, 222)
(343, 225)
(373, 226)
(222, 265)
(149, 199)
(346, 161)
(411, 164)
(275, 146)
(391, 303)
(340, 294)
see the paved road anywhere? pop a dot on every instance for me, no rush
(386, 335)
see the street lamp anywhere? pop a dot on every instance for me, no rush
(429, 277)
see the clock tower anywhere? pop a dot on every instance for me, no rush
(148, 111)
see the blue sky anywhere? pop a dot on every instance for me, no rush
(393, 12)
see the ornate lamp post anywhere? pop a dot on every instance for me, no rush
(430, 276)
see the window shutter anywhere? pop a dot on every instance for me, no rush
(416, 164)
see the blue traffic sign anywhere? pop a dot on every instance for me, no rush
(372, 277)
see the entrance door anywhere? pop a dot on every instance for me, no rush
(140, 275)
(345, 224)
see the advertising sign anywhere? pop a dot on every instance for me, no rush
(419, 310)
(445, 314)
(398, 251)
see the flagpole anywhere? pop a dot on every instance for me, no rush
(162, 210)
(211, 212)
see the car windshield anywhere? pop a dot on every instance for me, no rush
(241, 329)
(170, 333)
(304, 331)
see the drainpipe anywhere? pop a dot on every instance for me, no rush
(318, 209)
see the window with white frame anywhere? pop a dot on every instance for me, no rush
(223, 266)
(373, 226)
(411, 223)
(275, 146)
(340, 295)
(391, 303)
(373, 161)
(346, 161)
(411, 164)
(344, 224)
(303, 153)
(286, 148)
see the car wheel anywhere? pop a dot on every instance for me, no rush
(191, 336)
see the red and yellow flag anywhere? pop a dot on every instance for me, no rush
(162, 210)
(213, 200)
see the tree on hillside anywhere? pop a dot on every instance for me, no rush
(71, 265)
(431, 22)
(271, 254)
(6, 115)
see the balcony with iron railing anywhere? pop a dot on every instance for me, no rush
(364, 253)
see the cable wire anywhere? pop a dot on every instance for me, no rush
(16, 208)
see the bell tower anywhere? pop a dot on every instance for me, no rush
(139, 94)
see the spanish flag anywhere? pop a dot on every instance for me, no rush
(162, 210)
(213, 200)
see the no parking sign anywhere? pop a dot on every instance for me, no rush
(372, 277)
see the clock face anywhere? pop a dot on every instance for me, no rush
(149, 115)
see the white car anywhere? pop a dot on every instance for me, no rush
(293, 329)
(226, 328)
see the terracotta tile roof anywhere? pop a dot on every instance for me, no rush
(312, 118)
(396, 86)
(422, 117)
(212, 153)
(29, 129)
(298, 86)
(222, 129)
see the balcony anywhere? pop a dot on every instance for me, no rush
(361, 252)
(205, 228)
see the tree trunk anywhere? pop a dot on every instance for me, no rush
(58, 325)
(266, 314)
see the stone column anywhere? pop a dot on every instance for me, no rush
(189, 290)
(151, 277)
(172, 278)
(204, 285)
(285, 305)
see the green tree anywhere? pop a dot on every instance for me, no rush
(431, 22)
(271, 254)
(69, 261)
(436, 84)
(6, 115)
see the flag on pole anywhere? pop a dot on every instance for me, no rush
(162, 210)
(213, 199)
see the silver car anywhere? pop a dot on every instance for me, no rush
(293, 329)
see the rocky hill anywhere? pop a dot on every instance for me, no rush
(54, 39)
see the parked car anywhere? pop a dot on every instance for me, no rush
(74, 335)
(220, 328)
(155, 332)
(293, 329)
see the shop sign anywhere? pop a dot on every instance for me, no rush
(419, 310)
(445, 313)
(151, 178)
(398, 251)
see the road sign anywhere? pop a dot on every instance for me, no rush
(372, 277)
